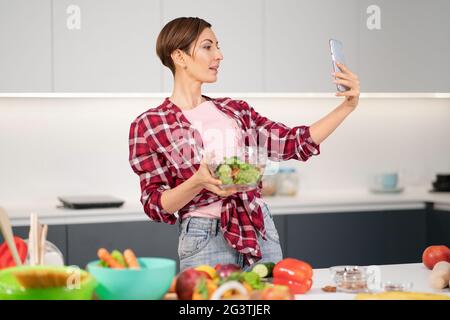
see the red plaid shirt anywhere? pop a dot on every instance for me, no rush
(166, 150)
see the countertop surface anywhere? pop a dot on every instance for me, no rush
(415, 273)
(304, 203)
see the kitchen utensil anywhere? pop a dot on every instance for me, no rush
(46, 283)
(52, 255)
(395, 190)
(396, 286)
(287, 181)
(90, 201)
(351, 279)
(242, 171)
(269, 185)
(440, 190)
(33, 244)
(7, 232)
(443, 178)
(37, 241)
(393, 295)
(385, 181)
(42, 241)
(150, 282)
(441, 184)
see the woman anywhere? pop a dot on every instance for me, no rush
(167, 145)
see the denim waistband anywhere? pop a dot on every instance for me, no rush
(213, 225)
(210, 223)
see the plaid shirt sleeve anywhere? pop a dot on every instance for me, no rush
(153, 173)
(283, 143)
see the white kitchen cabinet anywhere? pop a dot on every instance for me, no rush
(268, 45)
(410, 52)
(25, 46)
(297, 55)
(238, 26)
(106, 46)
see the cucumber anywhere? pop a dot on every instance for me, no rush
(264, 269)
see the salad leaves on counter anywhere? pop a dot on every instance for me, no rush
(251, 278)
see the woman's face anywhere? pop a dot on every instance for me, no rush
(203, 63)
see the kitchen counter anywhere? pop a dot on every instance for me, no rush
(306, 202)
(358, 200)
(416, 273)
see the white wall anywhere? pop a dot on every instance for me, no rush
(54, 146)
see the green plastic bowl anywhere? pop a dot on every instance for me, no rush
(10, 289)
(150, 282)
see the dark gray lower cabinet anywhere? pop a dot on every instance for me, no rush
(280, 224)
(56, 234)
(359, 238)
(438, 223)
(146, 238)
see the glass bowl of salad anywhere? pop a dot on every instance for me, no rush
(242, 171)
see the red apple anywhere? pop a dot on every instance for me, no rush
(206, 274)
(186, 282)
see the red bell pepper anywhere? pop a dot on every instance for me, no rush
(295, 274)
(6, 259)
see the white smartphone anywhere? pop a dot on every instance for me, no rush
(337, 55)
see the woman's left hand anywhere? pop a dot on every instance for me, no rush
(350, 80)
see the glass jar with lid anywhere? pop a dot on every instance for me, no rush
(269, 185)
(52, 255)
(287, 181)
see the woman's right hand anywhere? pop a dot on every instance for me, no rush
(205, 180)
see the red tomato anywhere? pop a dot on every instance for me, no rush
(6, 259)
(435, 254)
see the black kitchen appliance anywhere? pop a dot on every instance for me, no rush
(442, 183)
(90, 202)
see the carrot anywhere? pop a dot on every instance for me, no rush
(131, 259)
(104, 255)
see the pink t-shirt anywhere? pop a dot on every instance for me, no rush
(221, 135)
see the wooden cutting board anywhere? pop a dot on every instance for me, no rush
(170, 296)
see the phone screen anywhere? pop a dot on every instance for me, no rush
(337, 55)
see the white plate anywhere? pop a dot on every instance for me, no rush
(395, 190)
(325, 296)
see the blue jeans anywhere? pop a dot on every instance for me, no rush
(201, 242)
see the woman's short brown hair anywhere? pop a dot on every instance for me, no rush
(179, 33)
